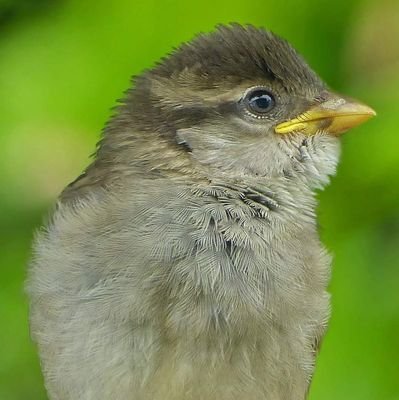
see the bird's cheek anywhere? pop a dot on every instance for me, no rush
(202, 144)
(183, 139)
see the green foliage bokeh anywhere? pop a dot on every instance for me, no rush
(64, 63)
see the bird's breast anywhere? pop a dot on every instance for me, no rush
(234, 261)
(243, 293)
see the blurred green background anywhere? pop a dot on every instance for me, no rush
(63, 64)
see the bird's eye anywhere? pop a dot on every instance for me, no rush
(259, 101)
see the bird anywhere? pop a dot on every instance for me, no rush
(185, 261)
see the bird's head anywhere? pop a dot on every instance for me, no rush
(242, 103)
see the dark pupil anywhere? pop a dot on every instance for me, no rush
(261, 101)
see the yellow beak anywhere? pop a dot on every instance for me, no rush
(335, 116)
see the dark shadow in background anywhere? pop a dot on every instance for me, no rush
(15, 11)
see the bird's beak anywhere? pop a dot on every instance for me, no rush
(335, 116)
